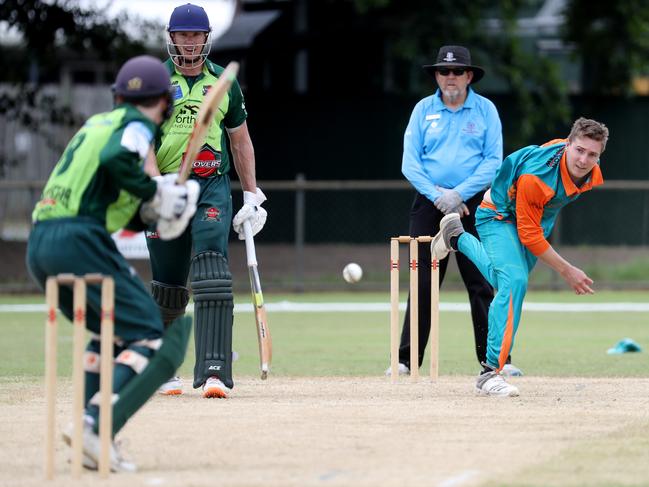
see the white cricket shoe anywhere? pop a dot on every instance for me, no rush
(510, 370)
(87, 462)
(403, 370)
(92, 448)
(494, 384)
(450, 226)
(173, 387)
(213, 387)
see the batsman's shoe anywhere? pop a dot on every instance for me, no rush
(173, 387)
(92, 448)
(213, 387)
(87, 463)
(510, 370)
(403, 370)
(493, 384)
(450, 226)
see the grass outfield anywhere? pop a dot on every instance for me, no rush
(568, 344)
(327, 416)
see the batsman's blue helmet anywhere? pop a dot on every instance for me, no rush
(189, 18)
(142, 76)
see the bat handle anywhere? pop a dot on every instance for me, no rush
(251, 257)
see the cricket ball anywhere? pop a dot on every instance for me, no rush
(352, 272)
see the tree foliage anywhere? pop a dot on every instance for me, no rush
(535, 83)
(612, 40)
(53, 32)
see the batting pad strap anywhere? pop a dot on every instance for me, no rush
(212, 290)
(116, 340)
(132, 359)
(150, 344)
(91, 362)
(162, 365)
(95, 400)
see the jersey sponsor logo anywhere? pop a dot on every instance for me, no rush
(212, 215)
(206, 88)
(56, 194)
(555, 159)
(186, 116)
(150, 234)
(207, 162)
(177, 92)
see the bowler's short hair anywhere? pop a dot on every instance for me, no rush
(585, 127)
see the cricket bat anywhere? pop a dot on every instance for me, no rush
(263, 333)
(205, 117)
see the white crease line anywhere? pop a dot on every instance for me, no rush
(459, 479)
(293, 307)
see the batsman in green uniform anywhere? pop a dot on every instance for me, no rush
(203, 247)
(98, 187)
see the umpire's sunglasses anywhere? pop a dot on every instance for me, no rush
(455, 71)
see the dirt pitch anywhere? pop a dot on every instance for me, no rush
(359, 432)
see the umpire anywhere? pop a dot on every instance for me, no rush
(451, 150)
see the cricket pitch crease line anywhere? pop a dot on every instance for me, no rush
(295, 307)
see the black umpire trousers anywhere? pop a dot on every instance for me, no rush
(424, 220)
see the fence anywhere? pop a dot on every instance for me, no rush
(362, 212)
(315, 227)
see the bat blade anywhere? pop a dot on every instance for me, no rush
(205, 117)
(263, 332)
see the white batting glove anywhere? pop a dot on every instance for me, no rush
(172, 206)
(252, 212)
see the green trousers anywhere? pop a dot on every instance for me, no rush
(80, 246)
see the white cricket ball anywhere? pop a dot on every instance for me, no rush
(352, 272)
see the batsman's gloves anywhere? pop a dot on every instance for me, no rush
(448, 201)
(171, 207)
(251, 211)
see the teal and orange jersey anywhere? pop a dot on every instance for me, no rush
(188, 94)
(531, 187)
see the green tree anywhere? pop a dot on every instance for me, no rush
(53, 32)
(417, 29)
(612, 41)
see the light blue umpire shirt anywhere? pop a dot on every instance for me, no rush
(460, 150)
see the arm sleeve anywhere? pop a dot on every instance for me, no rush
(411, 164)
(492, 157)
(532, 195)
(237, 113)
(122, 158)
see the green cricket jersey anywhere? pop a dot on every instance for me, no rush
(188, 94)
(100, 172)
